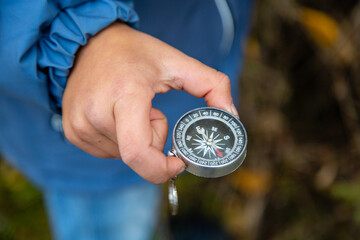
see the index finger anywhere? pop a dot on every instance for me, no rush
(203, 81)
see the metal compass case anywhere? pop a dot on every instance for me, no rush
(211, 142)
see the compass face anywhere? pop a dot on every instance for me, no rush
(210, 137)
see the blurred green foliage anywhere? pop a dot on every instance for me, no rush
(22, 215)
(348, 193)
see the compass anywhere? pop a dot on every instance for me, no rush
(211, 142)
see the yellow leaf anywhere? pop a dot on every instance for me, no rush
(251, 182)
(323, 29)
(253, 48)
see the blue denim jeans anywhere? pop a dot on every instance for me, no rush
(130, 213)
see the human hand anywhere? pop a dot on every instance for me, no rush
(107, 109)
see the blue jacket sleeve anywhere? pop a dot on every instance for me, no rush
(39, 39)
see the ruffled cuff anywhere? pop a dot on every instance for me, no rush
(71, 29)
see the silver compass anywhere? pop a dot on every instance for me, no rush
(211, 142)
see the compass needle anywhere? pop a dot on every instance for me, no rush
(211, 136)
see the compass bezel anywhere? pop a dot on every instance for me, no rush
(210, 168)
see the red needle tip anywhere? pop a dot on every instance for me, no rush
(219, 153)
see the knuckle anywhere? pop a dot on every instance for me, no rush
(223, 78)
(99, 121)
(69, 135)
(129, 154)
(93, 113)
(79, 127)
(68, 132)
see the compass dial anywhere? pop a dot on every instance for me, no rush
(212, 142)
(209, 139)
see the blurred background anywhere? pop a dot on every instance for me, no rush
(301, 108)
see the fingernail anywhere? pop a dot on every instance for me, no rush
(234, 110)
